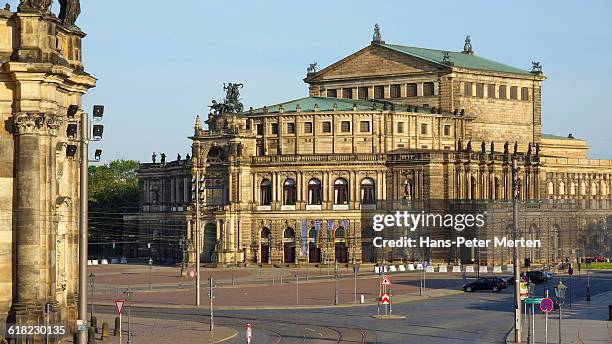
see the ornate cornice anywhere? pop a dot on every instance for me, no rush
(36, 123)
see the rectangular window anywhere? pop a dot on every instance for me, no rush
(347, 93)
(467, 89)
(308, 127)
(259, 129)
(411, 90)
(274, 128)
(379, 92)
(345, 126)
(491, 91)
(513, 92)
(423, 128)
(428, 89)
(395, 91)
(332, 93)
(447, 130)
(400, 127)
(364, 93)
(502, 92)
(524, 93)
(326, 127)
(480, 90)
(364, 126)
(290, 128)
(248, 124)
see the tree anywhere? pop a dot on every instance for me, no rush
(113, 192)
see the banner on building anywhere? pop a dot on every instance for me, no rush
(304, 238)
(330, 230)
(317, 231)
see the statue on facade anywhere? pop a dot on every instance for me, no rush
(154, 157)
(492, 147)
(231, 103)
(163, 158)
(529, 149)
(459, 146)
(69, 11)
(515, 147)
(312, 68)
(536, 67)
(468, 148)
(178, 157)
(188, 157)
(483, 147)
(506, 147)
(537, 149)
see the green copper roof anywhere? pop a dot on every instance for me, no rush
(307, 104)
(458, 59)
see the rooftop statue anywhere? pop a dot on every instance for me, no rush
(69, 11)
(42, 5)
(231, 103)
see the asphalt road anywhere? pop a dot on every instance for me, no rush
(481, 317)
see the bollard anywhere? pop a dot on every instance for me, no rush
(117, 326)
(94, 323)
(610, 312)
(362, 299)
(91, 336)
(105, 331)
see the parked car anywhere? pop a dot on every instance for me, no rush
(486, 283)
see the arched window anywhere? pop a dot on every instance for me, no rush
(216, 154)
(314, 192)
(265, 233)
(289, 233)
(341, 194)
(289, 192)
(340, 233)
(368, 193)
(265, 192)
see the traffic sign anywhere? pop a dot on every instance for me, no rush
(385, 281)
(249, 333)
(547, 305)
(524, 289)
(385, 299)
(119, 304)
(533, 300)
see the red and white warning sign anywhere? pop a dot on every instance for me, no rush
(385, 299)
(249, 333)
(385, 281)
(119, 304)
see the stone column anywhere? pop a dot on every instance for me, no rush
(31, 291)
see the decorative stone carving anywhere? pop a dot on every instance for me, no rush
(62, 210)
(28, 123)
(60, 159)
(41, 5)
(54, 122)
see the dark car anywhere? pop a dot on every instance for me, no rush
(486, 283)
(537, 276)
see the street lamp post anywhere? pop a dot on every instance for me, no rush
(560, 293)
(336, 300)
(517, 274)
(92, 277)
(128, 296)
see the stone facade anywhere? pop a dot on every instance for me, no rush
(385, 129)
(41, 76)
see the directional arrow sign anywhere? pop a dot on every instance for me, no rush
(385, 299)
(385, 281)
(119, 304)
(533, 300)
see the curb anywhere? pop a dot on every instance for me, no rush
(404, 299)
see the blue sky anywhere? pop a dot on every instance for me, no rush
(161, 62)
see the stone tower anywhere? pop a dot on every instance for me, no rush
(41, 74)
